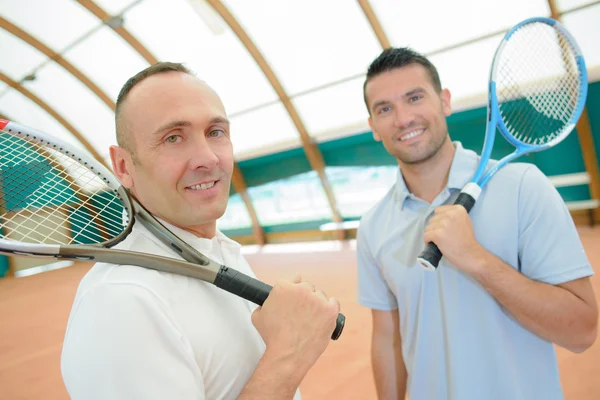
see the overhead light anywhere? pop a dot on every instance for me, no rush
(115, 22)
(211, 18)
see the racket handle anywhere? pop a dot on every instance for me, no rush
(430, 256)
(256, 291)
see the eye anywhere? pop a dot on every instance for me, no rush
(173, 139)
(384, 109)
(216, 133)
(415, 98)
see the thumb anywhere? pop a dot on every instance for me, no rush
(297, 278)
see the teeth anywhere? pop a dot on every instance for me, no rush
(203, 186)
(412, 134)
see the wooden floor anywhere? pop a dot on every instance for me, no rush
(34, 311)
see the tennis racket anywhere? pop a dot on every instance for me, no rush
(536, 94)
(58, 202)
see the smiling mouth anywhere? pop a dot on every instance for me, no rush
(202, 186)
(412, 134)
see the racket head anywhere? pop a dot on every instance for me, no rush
(538, 84)
(53, 194)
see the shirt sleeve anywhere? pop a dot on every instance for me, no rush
(550, 249)
(121, 344)
(373, 291)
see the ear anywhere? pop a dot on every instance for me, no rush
(375, 134)
(446, 102)
(122, 164)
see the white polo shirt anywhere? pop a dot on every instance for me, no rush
(458, 342)
(136, 333)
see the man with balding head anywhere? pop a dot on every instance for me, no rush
(136, 333)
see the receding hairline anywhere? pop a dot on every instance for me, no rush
(160, 68)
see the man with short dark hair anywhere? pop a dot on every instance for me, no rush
(137, 333)
(514, 279)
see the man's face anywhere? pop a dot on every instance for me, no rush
(179, 132)
(407, 113)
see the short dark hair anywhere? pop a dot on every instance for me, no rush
(398, 57)
(155, 69)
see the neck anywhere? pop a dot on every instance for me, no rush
(427, 179)
(207, 231)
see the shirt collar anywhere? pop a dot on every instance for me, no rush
(203, 245)
(462, 168)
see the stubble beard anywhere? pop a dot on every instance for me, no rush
(429, 150)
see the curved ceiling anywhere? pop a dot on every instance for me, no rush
(289, 72)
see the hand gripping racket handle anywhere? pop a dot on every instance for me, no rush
(256, 291)
(430, 256)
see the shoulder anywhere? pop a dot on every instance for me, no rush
(123, 289)
(104, 278)
(514, 173)
(522, 179)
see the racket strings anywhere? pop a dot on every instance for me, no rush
(537, 84)
(37, 199)
(55, 187)
(48, 197)
(43, 218)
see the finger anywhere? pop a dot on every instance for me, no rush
(335, 303)
(442, 220)
(443, 209)
(321, 294)
(309, 285)
(297, 278)
(436, 218)
(432, 235)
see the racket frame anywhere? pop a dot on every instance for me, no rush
(197, 265)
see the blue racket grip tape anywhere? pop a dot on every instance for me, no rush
(257, 292)
(430, 256)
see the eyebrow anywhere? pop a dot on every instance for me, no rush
(379, 103)
(414, 91)
(181, 123)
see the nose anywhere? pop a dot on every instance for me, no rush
(202, 155)
(404, 117)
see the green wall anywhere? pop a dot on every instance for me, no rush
(361, 150)
(466, 126)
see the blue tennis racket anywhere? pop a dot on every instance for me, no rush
(536, 94)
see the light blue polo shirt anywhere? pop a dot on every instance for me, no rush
(458, 342)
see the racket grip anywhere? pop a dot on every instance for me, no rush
(256, 291)
(430, 256)
(465, 200)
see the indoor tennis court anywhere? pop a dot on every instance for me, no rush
(306, 164)
(34, 311)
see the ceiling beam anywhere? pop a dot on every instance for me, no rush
(240, 188)
(313, 154)
(375, 24)
(52, 55)
(584, 132)
(25, 92)
(121, 31)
